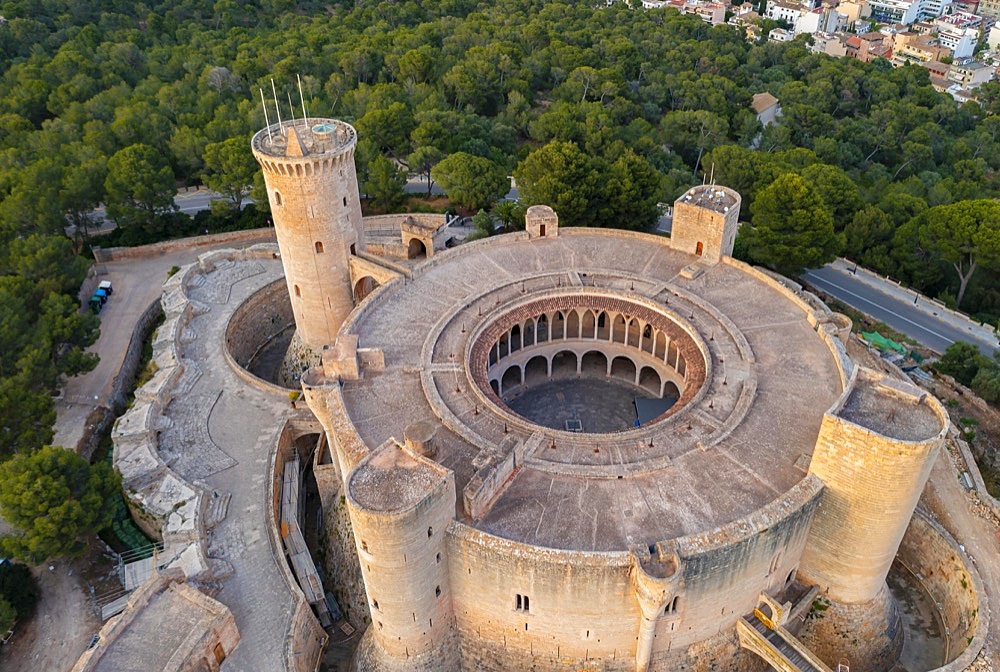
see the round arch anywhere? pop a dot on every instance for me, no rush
(564, 364)
(594, 362)
(512, 378)
(649, 380)
(416, 249)
(536, 370)
(363, 287)
(624, 368)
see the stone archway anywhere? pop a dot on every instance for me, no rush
(363, 287)
(624, 368)
(416, 249)
(511, 379)
(649, 380)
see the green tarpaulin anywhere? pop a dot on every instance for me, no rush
(882, 343)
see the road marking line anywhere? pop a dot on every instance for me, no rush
(815, 278)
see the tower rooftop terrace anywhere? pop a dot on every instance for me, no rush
(314, 136)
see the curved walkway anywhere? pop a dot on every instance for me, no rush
(221, 433)
(212, 433)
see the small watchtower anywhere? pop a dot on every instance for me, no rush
(706, 220)
(312, 187)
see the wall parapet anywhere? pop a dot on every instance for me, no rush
(923, 536)
(104, 255)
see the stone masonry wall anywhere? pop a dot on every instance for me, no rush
(583, 609)
(250, 236)
(694, 224)
(262, 317)
(123, 383)
(404, 561)
(930, 555)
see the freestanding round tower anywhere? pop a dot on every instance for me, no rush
(312, 187)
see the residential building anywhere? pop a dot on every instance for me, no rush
(713, 13)
(969, 73)
(993, 37)
(907, 11)
(831, 44)
(869, 46)
(913, 48)
(989, 9)
(855, 9)
(766, 107)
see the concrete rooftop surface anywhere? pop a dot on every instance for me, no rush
(741, 441)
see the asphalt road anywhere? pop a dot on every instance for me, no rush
(914, 315)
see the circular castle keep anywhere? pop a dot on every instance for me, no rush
(509, 511)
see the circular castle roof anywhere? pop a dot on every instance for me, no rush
(756, 380)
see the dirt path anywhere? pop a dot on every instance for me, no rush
(62, 626)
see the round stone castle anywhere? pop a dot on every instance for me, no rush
(568, 449)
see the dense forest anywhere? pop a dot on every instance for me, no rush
(601, 111)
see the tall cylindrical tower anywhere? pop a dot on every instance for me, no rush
(874, 454)
(401, 504)
(312, 187)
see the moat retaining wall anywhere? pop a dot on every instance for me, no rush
(942, 569)
(264, 316)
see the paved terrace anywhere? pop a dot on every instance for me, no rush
(744, 440)
(217, 433)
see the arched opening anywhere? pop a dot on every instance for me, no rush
(589, 324)
(528, 333)
(672, 355)
(618, 331)
(648, 339)
(354, 249)
(515, 338)
(496, 387)
(511, 379)
(624, 368)
(790, 577)
(503, 348)
(603, 327)
(416, 249)
(699, 248)
(594, 363)
(649, 380)
(363, 287)
(558, 326)
(298, 292)
(319, 247)
(670, 390)
(277, 197)
(660, 343)
(564, 364)
(542, 329)
(633, 332)
(572, 324)
(536, 371)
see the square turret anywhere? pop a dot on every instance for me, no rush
(706, 220)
